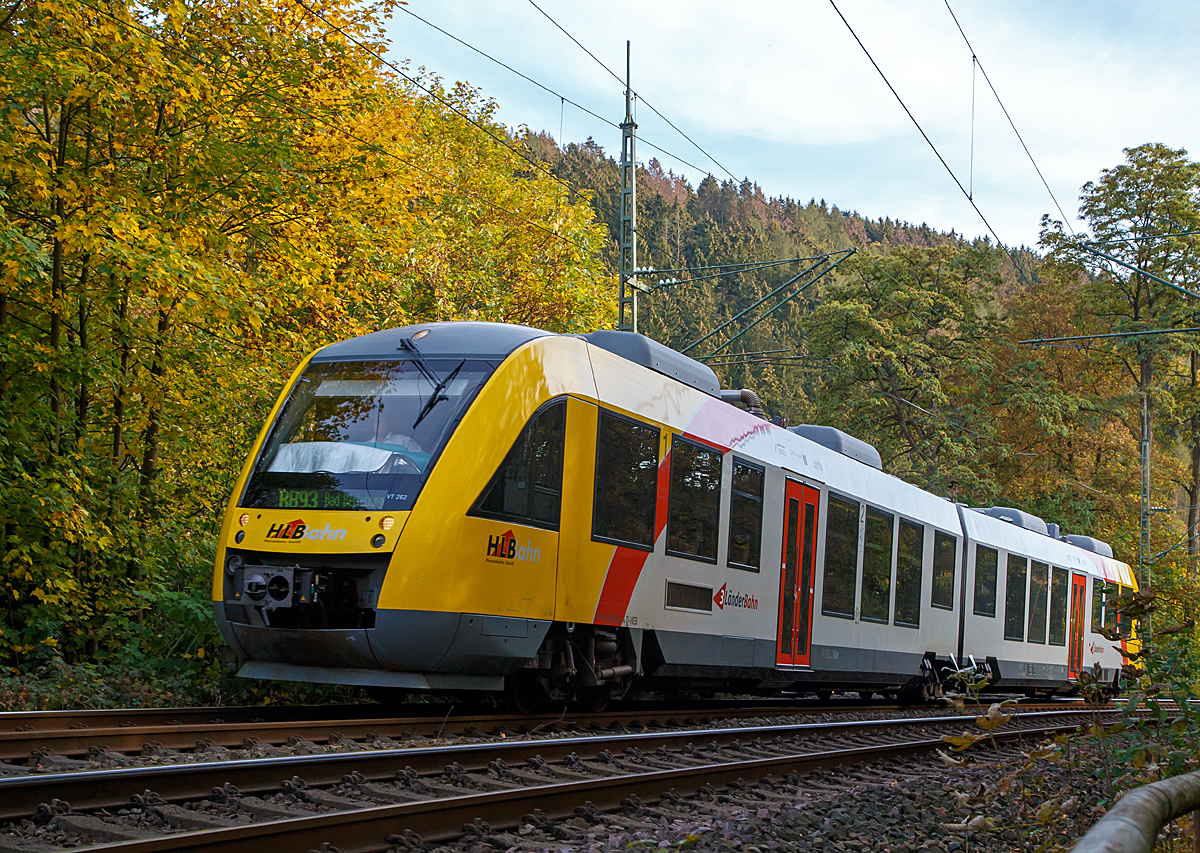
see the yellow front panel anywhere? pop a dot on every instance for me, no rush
(302, 531)
(442, 562)
(582, 562)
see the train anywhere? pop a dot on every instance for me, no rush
(495, 510)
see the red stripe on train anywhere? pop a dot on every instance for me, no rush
(626, 564)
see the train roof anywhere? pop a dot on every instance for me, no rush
(456, 339)
(997, 533)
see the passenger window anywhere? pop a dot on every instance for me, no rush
(986, 563)
(626, 481)
(910, 555)
(1097, 605)
(877, 567)
(527, 488)
(694, 508)
(1058, 606)
(841, 558)
(1014, 598)
(1039, 587)
(1124, 621)
(745, 516)
(942, 594)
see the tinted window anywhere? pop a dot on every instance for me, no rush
(528, 485)
(1039, 592)
(943, 571)
(360, 435)
(910, 554)
(1014, 598)
(986, 562)
(1058, 607)
(694, 508)
(745, 516)
(626, 481)
(841, 557)
(877, 567)
(1097, 605)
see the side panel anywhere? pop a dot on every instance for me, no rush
(442, 561)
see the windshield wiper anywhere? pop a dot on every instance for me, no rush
(437, 396)
(419, 361)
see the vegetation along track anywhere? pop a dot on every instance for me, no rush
(357, 800)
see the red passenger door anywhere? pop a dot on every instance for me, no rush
(1075, 642)
(796, 574)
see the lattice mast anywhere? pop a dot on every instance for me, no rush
(627, 296)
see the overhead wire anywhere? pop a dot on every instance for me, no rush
(562, 98)
(346, 133)
(975, 62)
(649, 105)
(917, 124)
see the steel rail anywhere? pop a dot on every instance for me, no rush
(366, 830)
(19, 745)
(94, 789)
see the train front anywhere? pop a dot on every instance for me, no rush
(323, 501)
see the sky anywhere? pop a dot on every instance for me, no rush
(780, 93)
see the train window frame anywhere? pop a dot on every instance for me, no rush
(603, 413)
(1059, 604)
(975, 597)
(934, 569)
(1038, 619)
(1098, 598)
(734, 495)
(1009, 566)
(856, 551)
(678, 441)
(887, 575)
(918, 588)
(477, 510)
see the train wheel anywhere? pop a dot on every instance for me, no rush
(824, 695)
(522, 694)
(595, 699)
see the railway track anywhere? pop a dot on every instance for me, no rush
(58, 737)
(355, 801)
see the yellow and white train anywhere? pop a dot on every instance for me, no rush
(482, 507)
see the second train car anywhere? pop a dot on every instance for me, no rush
(489, 508)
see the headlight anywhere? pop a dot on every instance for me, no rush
(386, 523)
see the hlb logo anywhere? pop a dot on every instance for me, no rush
(505, 547)
(297, 529)
(734, 599)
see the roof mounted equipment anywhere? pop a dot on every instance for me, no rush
(836, 440)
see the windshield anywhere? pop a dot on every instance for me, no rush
(359, 435)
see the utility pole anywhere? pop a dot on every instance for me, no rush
(1144, 528)
(627, 297)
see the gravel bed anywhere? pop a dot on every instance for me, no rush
(909, 806)
(786, 807)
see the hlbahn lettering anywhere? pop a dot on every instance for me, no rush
(505, 547)
(297, 529)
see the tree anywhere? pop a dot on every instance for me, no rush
(903, 338)
(1137, 213)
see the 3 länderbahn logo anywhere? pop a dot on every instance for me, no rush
(734, 599)
(506, 547)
